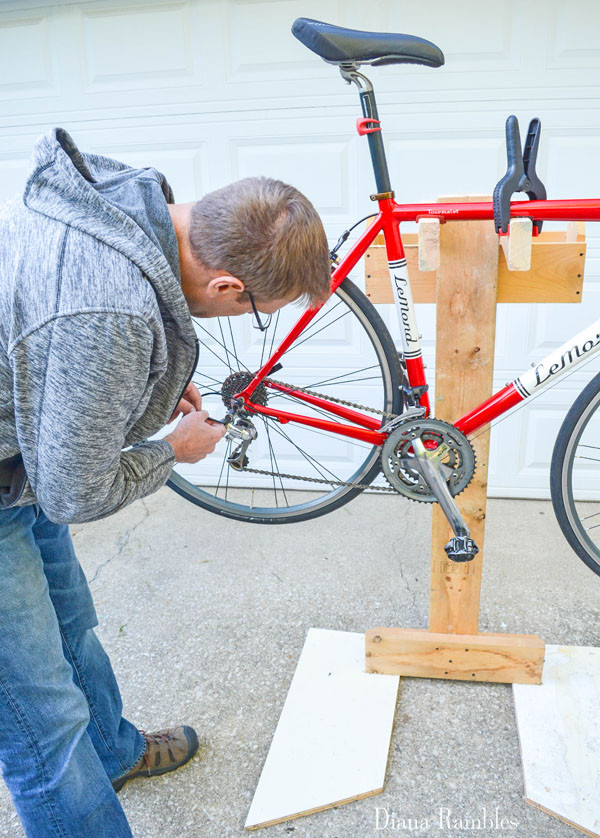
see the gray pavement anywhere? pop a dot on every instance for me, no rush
(204, 619)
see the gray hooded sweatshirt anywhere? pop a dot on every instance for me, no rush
(96, 339)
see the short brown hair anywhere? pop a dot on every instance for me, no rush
(266, 233)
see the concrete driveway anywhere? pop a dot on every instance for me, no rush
(204, 619)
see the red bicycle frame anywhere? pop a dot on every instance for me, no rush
(391, 214)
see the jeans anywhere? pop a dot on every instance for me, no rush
(62, 736)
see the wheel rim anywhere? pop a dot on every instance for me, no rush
(231, 344)
(581, 479)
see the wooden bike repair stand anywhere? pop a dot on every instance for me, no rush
(332, 741)
(472, 277)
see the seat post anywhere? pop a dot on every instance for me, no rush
(380, 168)
(350, 73)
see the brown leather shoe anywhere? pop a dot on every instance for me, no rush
(165, 751)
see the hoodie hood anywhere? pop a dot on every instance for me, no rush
(116, 204)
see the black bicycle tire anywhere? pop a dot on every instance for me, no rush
(561, 468)
(390, 353)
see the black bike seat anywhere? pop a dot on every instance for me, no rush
(340, 46)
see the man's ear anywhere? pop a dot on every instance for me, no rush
(222, 283)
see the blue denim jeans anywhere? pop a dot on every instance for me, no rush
(62, 736)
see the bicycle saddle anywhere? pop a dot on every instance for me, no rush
(340, 46)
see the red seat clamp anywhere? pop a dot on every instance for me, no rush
(362, 123)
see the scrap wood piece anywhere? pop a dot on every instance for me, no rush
(429, 244)
(332, 741)
(517, 245)
(559, 734)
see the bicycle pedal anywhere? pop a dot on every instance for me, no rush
(461, 548)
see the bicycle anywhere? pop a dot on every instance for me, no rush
(422, 458)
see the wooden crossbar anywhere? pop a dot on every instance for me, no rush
(555, 276)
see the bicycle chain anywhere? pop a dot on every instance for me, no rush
(384, 489)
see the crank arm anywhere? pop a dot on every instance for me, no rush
(461, 548)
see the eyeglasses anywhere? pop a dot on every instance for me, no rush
(262, 326)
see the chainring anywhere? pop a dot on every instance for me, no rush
(457, 460)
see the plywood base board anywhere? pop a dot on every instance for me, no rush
(559, 732)
(332, 741)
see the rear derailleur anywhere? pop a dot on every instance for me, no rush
(243, 430)
(239, 427)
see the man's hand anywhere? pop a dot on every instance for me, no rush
(195, 436)
(190, 401)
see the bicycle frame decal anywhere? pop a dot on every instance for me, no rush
(580, 348)
(571, 353)
(411, 344)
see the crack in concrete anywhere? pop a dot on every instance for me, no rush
(122, 543)
(402, 576)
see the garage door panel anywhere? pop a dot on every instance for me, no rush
(466, 36)
(319, 167)
(460, 165)
(131, 47)
(27, 56)
(185, 165)
(13, 174)
(255, 53)
(572, 43)
(551, 325)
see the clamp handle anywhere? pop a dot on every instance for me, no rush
(521, 175)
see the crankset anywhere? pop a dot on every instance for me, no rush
(429, 460)
(446, 446)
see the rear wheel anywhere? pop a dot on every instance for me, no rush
(575, 476)
(370, 374)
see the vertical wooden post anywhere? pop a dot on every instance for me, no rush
(453, 647)
(466, 329)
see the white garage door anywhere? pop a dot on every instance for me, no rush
(210, 91)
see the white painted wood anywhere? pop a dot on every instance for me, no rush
(429, 244)
(517, 245)
(332, 740)
(559, 732)
(209, 91)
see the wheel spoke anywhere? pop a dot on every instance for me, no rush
(357, 443)
(339, 378)
(304, 339)
(274, 458)
(227, 351)
(307, 456)
(225, 456)
(299, 402)
(223, 336)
